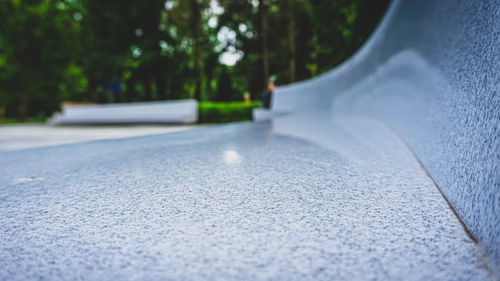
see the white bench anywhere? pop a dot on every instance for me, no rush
(179, 111)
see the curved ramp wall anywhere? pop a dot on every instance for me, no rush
(430, 71)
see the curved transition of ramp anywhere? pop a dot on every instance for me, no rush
(431, 71)
(231, 202)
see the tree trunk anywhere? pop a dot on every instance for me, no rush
(148, 91)
(313, 67)
(263, 14)
(23, 103)
(161, 86)
(24, 97)
(196, 26)
(92, 89)
(291, 40)
(130, 91)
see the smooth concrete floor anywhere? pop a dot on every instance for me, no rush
(27, 136)
(296, 199)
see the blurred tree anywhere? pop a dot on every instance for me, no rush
(242, 16)
(225, 90)
(290, 9)
(37, 55)
(133, 50)
(195, 22)
(190, 17)
(263, 35)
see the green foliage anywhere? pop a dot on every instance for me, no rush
(37, 42)
(133, 50)
(225, 90)
(223, 112)
(14, 121)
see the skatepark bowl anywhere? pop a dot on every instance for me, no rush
(385, 168)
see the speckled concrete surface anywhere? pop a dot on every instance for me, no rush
(431, 72)
(235, 202)
(24, 136)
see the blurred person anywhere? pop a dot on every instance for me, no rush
(267, 94)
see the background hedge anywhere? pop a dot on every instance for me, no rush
(223, 112)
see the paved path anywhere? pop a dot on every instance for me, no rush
(26, 136)
(297, 200)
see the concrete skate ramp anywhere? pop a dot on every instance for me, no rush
(431, 72)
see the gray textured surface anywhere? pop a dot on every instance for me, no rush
(27, 136)
(431, 71)
(250, 201)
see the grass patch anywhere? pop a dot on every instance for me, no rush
(7, 121)
(223, 112)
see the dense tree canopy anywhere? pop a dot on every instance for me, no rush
(134, 50)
